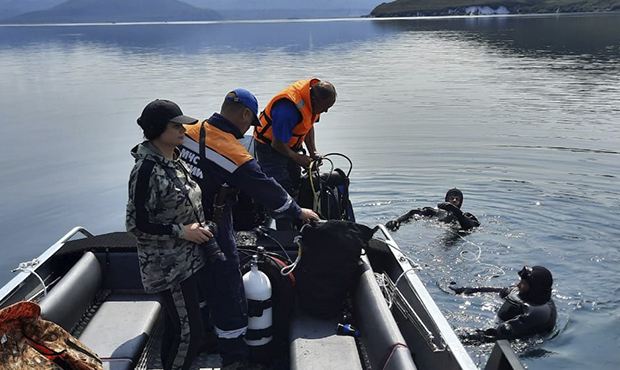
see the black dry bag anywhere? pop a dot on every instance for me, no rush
(329, 266)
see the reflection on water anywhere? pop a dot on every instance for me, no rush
(595, 38)
(210, 37)
(521, 113)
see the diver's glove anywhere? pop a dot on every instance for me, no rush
(504, 292)
(462, 290)
(446, 206)
(479, 336)
(393, 225)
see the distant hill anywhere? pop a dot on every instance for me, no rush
(76, 11)
(284, 4)
(401, 8)
(278, 9)
(11, 8)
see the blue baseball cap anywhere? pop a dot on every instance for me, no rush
(248, 100)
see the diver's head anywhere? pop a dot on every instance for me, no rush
(535, 285)
(454, 196)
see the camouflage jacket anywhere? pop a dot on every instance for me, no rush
(156, 212)
(29, 342)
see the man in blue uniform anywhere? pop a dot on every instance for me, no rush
(222, 165)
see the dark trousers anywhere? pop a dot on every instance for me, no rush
(184, 329)
(284, 170)
(223, 287)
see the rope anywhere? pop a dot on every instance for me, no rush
(477, 255)
(393, 293)
(392, 350)
(289, 269)
(29, 267)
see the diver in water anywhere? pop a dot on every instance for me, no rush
(528, 308)
(449, 212)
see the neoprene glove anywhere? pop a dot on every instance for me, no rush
(392, 225)
(448, 207)
(504, 293)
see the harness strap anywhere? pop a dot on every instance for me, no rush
(257, 334)
(259, 132)
(256, 308)
(201, 141)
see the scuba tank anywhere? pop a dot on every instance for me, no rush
(258, 293)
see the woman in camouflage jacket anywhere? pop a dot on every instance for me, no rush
(168, 224)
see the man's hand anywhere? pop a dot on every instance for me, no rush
(446, 206)
(491, 332)
(308, 215)
(393, 225)
(461, 290)
(303, 160)
(196, 233)
(504, 292)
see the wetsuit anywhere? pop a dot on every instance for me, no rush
(521, 319)
(445, 212)
(523, 313)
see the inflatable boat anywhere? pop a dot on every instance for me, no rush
(90, 285)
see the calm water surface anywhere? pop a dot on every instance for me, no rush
(522, 114)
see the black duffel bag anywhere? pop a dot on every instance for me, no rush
(330, 265)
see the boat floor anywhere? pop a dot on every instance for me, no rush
(153, 361)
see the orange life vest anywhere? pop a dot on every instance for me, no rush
(299, 94)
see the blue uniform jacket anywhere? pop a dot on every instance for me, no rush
(228, 163)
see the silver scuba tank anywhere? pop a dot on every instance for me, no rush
(258, 293)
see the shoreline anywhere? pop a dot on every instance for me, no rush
(309, 20)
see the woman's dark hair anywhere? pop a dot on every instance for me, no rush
(153, 131)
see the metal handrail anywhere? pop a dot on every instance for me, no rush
(408, 311)
(446, 334)
(405, 307)
(27, 268)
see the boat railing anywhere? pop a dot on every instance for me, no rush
(503, 357)
(396, 297)
(28, 268)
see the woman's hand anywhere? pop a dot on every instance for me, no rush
(196, 233)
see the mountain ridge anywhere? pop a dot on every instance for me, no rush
(82, 11)
(403, 8)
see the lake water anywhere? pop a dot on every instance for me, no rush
(521, 113)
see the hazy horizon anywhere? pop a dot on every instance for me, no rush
(230, 9)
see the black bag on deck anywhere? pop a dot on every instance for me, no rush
(329, 266)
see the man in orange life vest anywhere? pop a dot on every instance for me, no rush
(286, 124)
(220, 163)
